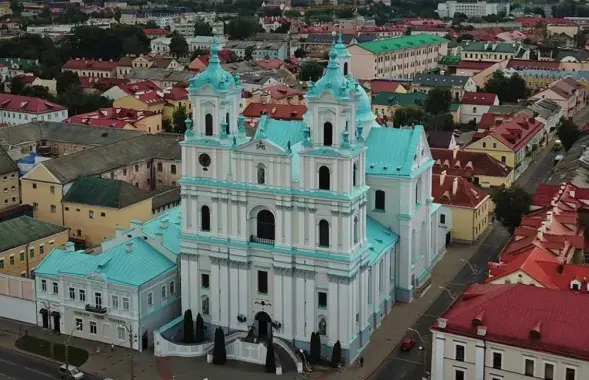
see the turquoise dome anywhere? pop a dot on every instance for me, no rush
(340, 48)
(214, 75)
(332, 81)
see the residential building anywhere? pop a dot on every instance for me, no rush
(376, 86)
(514, 142)
(152, 101)
(493, 51)
(24, 243)
(124, 66)
(113, 117)
(92, 85)
(152, 33)
(93, 207)
(160, 45)
(385, 104)
(126, 291)
(568, 93)
(471, 206)
(549, 113)
(147, 161)
(478, 9)
(135, 88)
(556, 29)
(477, 167)
(165, 199)
(457, 85)
(470, 68)
(254, 111)
(257, 81)
(279, 94)
(156, 62)
(321, 162)
(18, 66)
(511, 332)
(10, 185)
(91, 68)
(204, 42)
(475, 104)
(260, 49)
(397, 58)
(162, 78)
(16, 109)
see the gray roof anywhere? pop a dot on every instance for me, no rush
(106, 158)
(263, 45)
(62, 132)
(505, 109)
(545, 108)
(317, 38)
(255, 79)
(574, 166)
(165, 197)
(23, 230)
(432, 80)
(7, 165)
(496, 47)
(243, 67)
(112, 193)
(270, 37)
(580, 55)
(159, 75)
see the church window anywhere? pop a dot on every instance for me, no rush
(327, 134)
(262, 282)
(322, 326)
(205, 305)
(322, 298)
(345, 68)
(379, 200)
(355, 229)
(227, 129)
(205, 218)
(324, 178)
(208, 124)
(265, 227)
(323, 233)
(261, 174)
(355, 175)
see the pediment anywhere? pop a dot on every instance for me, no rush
(262, 146)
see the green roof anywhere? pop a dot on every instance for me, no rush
(450, 60)
(23, 230)
(495, 47)
(379, 237)
(391, 151)
(396, 99)
(454, 107)
(112, 193)
(405, 42)
(133, 263)
(21, 63)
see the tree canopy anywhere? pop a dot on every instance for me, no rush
(178, 45)
(438, 101)
(511, 204)
(509, 89)
(311, 71)
(409, 115)
(243, 27)
(568, 133)
(202, 28)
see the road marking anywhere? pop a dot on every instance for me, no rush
(7, 362)
(406, 360)
(39, 372)
(6, 376)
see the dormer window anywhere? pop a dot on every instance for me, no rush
(575, 285)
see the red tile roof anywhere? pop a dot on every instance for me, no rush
(27, 79)
(176, 93)
(531, 22)
(88, 64)
(27, 104)
(382, 85)
(280, 92)
(110, 117)
(510, 313)
(275, 111)
(101, 84)
(474, 65)
(517, 132)
(142, 86)
(532, 65)
(150, 98)
(270, 64)
(156, 32)
(489, 120)
(465, 163)
(480, 98)
(456, 191)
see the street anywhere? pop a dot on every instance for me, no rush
(401, 365)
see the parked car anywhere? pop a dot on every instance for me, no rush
(70, 373)
(407, 344)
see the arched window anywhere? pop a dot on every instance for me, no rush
(418, 191)
(205, 305)
(354, 175)
(379, 201)
(324, 178)
(355, 229)
(266, 227)
(227, 129)
(205, 218)
(323, 233)
(208, 124)
(327, 134)
(322, 326)
(345, 68)
(261, 174)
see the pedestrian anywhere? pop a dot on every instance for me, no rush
(112, 347)
(361, 362)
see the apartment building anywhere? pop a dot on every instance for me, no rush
(478, 9)
(493, 51)
(568, 93)
(16, 109)
(397, 58)
(162, 45)
(91, 68)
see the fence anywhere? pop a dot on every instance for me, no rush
(17, 297)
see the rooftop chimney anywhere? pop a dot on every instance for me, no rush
(482, 330)
(164, 223)
(478, 320)
(455, 186)
(572, 193)
(540, 233)
(70, 246)
(442, 177)
(442, 323)
(454, 152)
(535, 331)
(129, 247)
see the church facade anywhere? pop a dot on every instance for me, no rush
(318, 225)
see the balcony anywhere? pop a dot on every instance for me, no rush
(259, 240)
(97, 309)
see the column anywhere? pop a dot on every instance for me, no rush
(243, 221)
(366, 289)
(335, 232)
(244, 287)
(184, 282)
(214, 301)
(289, 301)
(225, 224)
(185, 211)
(278, 297)
(333, 314)
(194, 216)
(236, 221)
(480, 361)
(287, 225)
(302, 233)
(224, 293)
(300, 302)
(344, 316)
(215, 217)
(438, 359)
(348, 233)
(312, 227)
(234, 294)
(310, 303)
(351, 315)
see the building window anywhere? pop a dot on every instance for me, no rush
(497, 360)
(121, 331)
(32, 253)
(35, 206)
(205, 305)
(22, 256)
(324, 178)
(354, 175)
(173, 169)
(44, 285)
(442, 219)
(11, 260)
(262, 282)
(503, 159)
(205, 218)
(53, 209)
(126, 303)
(82, 295)
(55, 288)
(529, 367)
(459, 374)
(52, 189)
(98, 299)
(115, 302)
(204, 281)
(164, 291)
(261, 174)
(34, 185)
(570, 374)
(355, 229)
(418, 191)
(379, 200)
(548, 371)
(265, 227)
(172, 288)
(160, 167)
(323, 233)
(103, 214)
(149, 299)
(72, 293)
(322, 297)
(208, 124)
(327, 134)
(79, 324)
(93, 328)
(459, 352)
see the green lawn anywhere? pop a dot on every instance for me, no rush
(76, 355)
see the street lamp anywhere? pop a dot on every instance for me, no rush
(447, 291)
(132, 339)
(304, 361)
(67, 345)
(424, 342)
(472, 269)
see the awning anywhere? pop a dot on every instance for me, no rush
(43, 311)
(55, 314)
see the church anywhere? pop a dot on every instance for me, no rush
(318, 225)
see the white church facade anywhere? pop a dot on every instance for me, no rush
(318, 225)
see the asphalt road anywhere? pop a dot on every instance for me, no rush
(401, 365)
(17, 366)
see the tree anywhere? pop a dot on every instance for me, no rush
(17, 85)
(511, 204)
(66, 80)
(79, 102)
(242, 28)
(408, 115)
(16, 6)
(300, 53)
(465, 37)
(188, 327)
(179, 119)
(311, 71)
(438, 101)
(72, 15)
(167, 126)
(283, 28)
(568, 133)
(336, 354)
(37, 92)
(247, 54)
(178, 45)
(151, 25)
(315, 350)
(508, 89)
(292, 13)
(200, 329)
(202, 28)
(270, 360)
(441, 122)
(219, 350)
(197, 53)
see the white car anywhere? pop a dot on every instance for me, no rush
(71, 373)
